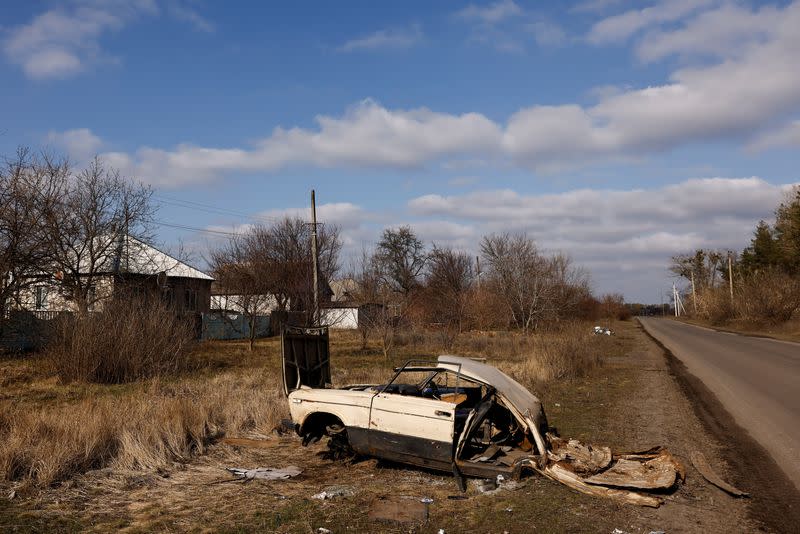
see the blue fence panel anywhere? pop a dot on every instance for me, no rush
(233, 326)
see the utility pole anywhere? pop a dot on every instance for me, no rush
(315, 259)
(694, 295)
(478, 269)
(730, 274)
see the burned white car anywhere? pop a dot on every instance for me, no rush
(459, 415)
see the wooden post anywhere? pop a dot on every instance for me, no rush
(730, 274)
(315, 259)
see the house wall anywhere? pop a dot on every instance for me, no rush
(188, 295)
(49, 295)
(342, 318)
(233, 303)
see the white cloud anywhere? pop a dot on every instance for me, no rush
(622, 26)
(609, 230)
(394, 38)
(722, 32)
(65, 40)
(786, 136)
(727, 100)
(491, 13)
(79, 143)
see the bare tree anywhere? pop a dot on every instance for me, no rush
(242, 268)
(450, 278)
(89, 225)
(276, 261)
(400, 258)
(29, 185)
(521, 275)
(370, 296)
(286, 246)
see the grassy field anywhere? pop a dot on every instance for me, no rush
(148, 455)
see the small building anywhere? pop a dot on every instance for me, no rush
(133, 267)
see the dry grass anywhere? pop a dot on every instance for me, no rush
(763, 299)
(133, 339)
(153, 424)
(149, 430)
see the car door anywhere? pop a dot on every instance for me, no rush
(412, 429)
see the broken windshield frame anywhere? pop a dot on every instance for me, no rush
(420, 366)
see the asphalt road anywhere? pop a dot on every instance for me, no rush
(757, 380)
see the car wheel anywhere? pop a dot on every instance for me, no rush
(338, 444)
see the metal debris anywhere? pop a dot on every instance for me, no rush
(699, 462)
(596, 471)
(265, 473)
(335, 491)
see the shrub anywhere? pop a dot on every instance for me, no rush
(131, 339)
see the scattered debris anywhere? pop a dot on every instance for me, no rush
(596, 471)
(485, 485)
(399, 509)
(11, 495)
(618, 531)
(323, 530)
(602, 331)
(699, 462)
(426, 500)
(457, 497)
(265, 473)
(335, 491)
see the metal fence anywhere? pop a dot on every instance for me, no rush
(233, 326)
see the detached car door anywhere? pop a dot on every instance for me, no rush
(412, 429)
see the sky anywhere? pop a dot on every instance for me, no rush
(618, 132)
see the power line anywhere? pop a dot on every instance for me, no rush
(199, 206)
(195, 229)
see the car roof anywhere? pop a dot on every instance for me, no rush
(522, 399)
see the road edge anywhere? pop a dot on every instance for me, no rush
(775, 502)
(725, 330)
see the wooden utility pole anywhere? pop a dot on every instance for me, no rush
(315, 258)
(730, 274)
(694, 295)
(478, 269)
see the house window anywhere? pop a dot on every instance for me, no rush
(190, 300)
(40, 296)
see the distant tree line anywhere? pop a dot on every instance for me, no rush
(401, 284)
(760, 284)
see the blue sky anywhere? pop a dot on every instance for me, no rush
(618, 132)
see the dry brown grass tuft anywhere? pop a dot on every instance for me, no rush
(151, 430)
(133, 339)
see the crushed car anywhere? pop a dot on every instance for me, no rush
(460, 415)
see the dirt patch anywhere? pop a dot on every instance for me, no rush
(775, 501)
